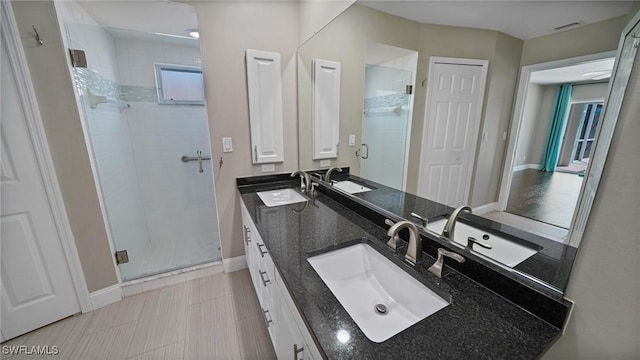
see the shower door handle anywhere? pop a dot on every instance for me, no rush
(199, 158)
(365, 152)
(199, 154)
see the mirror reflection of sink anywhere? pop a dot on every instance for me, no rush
(502, 250)
(351, 187)
(379, 296)
(281, 197)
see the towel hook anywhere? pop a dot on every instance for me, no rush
(38, 38)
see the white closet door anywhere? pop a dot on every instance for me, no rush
(37, 288)
(265, 106)
(452, 123)
(326, 109)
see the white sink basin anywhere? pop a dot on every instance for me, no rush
(351, 187)
(281, 197)
(362, 278)
(502, 250)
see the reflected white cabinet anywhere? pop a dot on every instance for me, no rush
(287, 330)
(326, 109)
(264, 83)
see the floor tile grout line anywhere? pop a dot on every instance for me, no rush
(159, 347)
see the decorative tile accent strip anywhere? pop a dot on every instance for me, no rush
(387, 101)
(87, 79)
(136, 93)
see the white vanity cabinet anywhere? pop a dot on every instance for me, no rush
(287, 330)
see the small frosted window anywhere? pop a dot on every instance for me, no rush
(181, 85)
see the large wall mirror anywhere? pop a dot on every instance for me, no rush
(401, 61)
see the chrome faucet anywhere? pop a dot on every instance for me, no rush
(436, 268)
(414, 250)
(327, 175)
(305, 181)
(451, 222)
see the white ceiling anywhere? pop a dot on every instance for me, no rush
(160, 17)
(588, 71)
(518, 18)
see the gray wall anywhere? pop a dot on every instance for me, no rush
(54, 91)
(227, 29)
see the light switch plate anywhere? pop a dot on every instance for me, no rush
(268, 168)
(325, 162)
(352, 139)
(227, 145)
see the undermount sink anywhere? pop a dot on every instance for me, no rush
(381, 298)
(281, 197)
(502, 250)
(351, 187)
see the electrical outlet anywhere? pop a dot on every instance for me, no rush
(325, 163)
(268, 168)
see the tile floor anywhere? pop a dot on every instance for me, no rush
(215, 317)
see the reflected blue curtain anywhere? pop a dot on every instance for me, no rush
(556, 127)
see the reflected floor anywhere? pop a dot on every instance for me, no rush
(548, 197)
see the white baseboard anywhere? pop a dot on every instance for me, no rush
(526, 166)
(106, 296)
(486, 208)
(234, 264)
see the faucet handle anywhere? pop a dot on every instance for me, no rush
(422, 219)
(393, 240)
(471, 240)
(436, 268)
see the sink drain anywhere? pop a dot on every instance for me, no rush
(381, 309)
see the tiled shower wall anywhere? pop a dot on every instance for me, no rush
(176, 197)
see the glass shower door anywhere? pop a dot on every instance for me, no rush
(148, 138)
(384, 125)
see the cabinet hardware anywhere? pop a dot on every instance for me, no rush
(262, 273)
(246, 235)
(262, 253)
(296, 351)
(264, 314)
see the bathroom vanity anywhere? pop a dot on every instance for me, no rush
(306, 319)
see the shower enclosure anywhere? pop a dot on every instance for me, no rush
(142, 100)
(385, 123)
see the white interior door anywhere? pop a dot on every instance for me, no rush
(455, 93)
(37, 287)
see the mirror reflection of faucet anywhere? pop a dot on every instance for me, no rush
(471, 240)
(451, 222)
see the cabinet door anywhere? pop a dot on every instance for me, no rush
(265, 106)
(326, 109)
(290, 343)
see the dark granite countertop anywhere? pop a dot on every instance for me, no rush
(552, 264)
(478, 324)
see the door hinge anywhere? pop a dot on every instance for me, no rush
(122, 257)
(78, 58)
(409, 89)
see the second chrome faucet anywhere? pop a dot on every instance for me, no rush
(414, 249)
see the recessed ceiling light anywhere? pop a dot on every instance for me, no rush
(193, 33)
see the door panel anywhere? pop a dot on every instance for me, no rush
(37, 288)
(451, 131)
